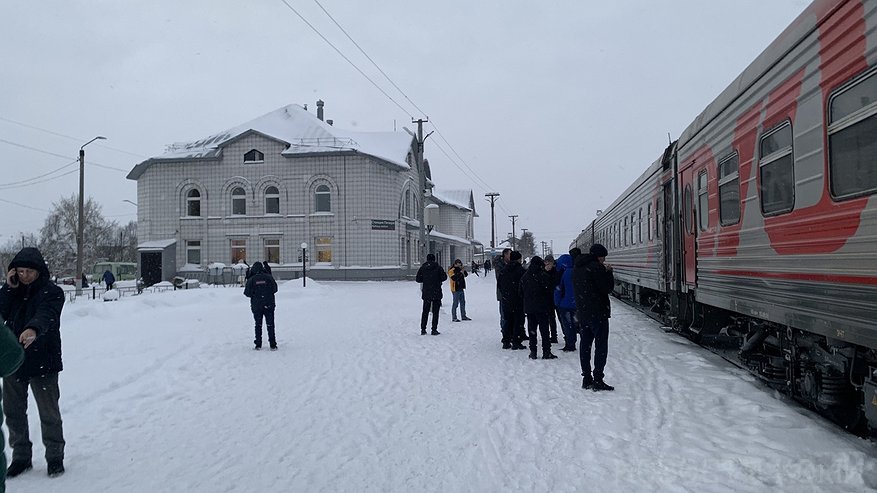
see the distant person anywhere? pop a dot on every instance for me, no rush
(84, 280)
(512, 302)
(486, 266)
(499, 263)
(431, 276)
(109, 279)
(551, 269)
(458, 289)
(31, 307)
(592, 282)
(475, 267)
(260, 290)
(565, 300)
(536, 288)
(11, 357)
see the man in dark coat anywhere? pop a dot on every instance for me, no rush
(512, 302)
(260, 290)
(31, 307)
(537, 287)
(592, 282)
(499, 264)
(431, 275)
(109, 279)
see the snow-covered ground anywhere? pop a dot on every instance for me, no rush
(163, 392)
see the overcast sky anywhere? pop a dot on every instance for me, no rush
(558, 106)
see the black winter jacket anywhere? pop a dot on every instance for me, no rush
(432, 275)
(260, 287)
(592, 284)
(35, 306)
(509, 285)
(537, 287)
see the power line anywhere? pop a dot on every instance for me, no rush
(60, 155)
(21, 182)
(32, 183)
(76, 139)
(24, 205)
(345, 58)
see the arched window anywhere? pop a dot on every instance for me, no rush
(323, 199)
(193, 203)
(408, 203)
(272, 200)
(238, 201)
(254, 156)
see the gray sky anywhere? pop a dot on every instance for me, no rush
(558, 106)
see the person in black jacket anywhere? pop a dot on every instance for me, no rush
(512, 303)
(260, 290)
(592, 282)
(431, 275)
(537, 288)
(31, 307)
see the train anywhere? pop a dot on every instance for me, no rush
(755, 232)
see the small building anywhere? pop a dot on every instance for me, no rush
(260, 190)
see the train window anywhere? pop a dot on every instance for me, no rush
(852, 139)
(640, 226)
(776, 171)
(688, 210)
(703, 201)
(632, 228)
(625, 231)
(649, 221)
(729, 190)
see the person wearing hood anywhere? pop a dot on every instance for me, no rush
(109, 279)
(431, 276)
(536, 287)
(31, 307)
(260, 290)
(512, 302)
(592, 281)
(565, 300)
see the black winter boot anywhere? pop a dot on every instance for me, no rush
(533, 354)
(601, 385)
(435, 332)
(518, 345)
(548, 355)
(56, 468)
(18, 466)
(587, 382)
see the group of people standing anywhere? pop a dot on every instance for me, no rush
(576, 287)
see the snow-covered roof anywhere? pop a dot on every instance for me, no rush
(461, 199)
(303, 132)
(156, 245)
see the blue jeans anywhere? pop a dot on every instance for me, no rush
(569, 326)
(459, 299)
(594, 331)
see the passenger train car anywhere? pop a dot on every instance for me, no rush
(757, 229)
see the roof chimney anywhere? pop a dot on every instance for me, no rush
(320, 109)
(330, 122)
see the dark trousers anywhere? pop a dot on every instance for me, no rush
(538, 321)
(569, 327)
(46, 394)
(514, 324)
(266, 311)
(594, 331)
(552, 324)
(430, 306)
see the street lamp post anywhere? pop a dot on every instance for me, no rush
(80, 227)
(304, 263)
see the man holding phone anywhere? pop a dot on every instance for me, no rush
(31, 306)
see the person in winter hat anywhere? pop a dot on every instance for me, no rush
(512, 302)
(458, 274)
(551, 269)
(592, 283)
(564, 300)
(536, 288)
(31, 307)
(431, 276)
(260, 290)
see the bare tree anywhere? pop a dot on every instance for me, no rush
(58, 235)
(526, 244)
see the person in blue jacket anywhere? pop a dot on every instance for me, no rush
(260, 290)
(565, 300)
(109, 279)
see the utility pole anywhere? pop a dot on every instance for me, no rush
(492, 196)
(80, 227)
(421, 173)
(514, 239)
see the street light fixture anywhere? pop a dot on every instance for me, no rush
(132, 203)
(80, 227)
(304, 262)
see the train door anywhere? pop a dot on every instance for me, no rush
(689, 233)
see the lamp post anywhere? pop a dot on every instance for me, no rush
(80, 227)
(304, 263)
(132, 203)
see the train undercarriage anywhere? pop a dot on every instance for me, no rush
(830, 376)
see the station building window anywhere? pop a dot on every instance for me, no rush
(852, 138)
(776, 171)
(324, 249)
(238, 201)
(272, 200)
(238, 251)
(193, 203)
(322, 199)
(254, 156)
(193, 252)
(272, 250)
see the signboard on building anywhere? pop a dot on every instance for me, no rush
(384, 224)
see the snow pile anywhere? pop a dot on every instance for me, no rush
(173, 398)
